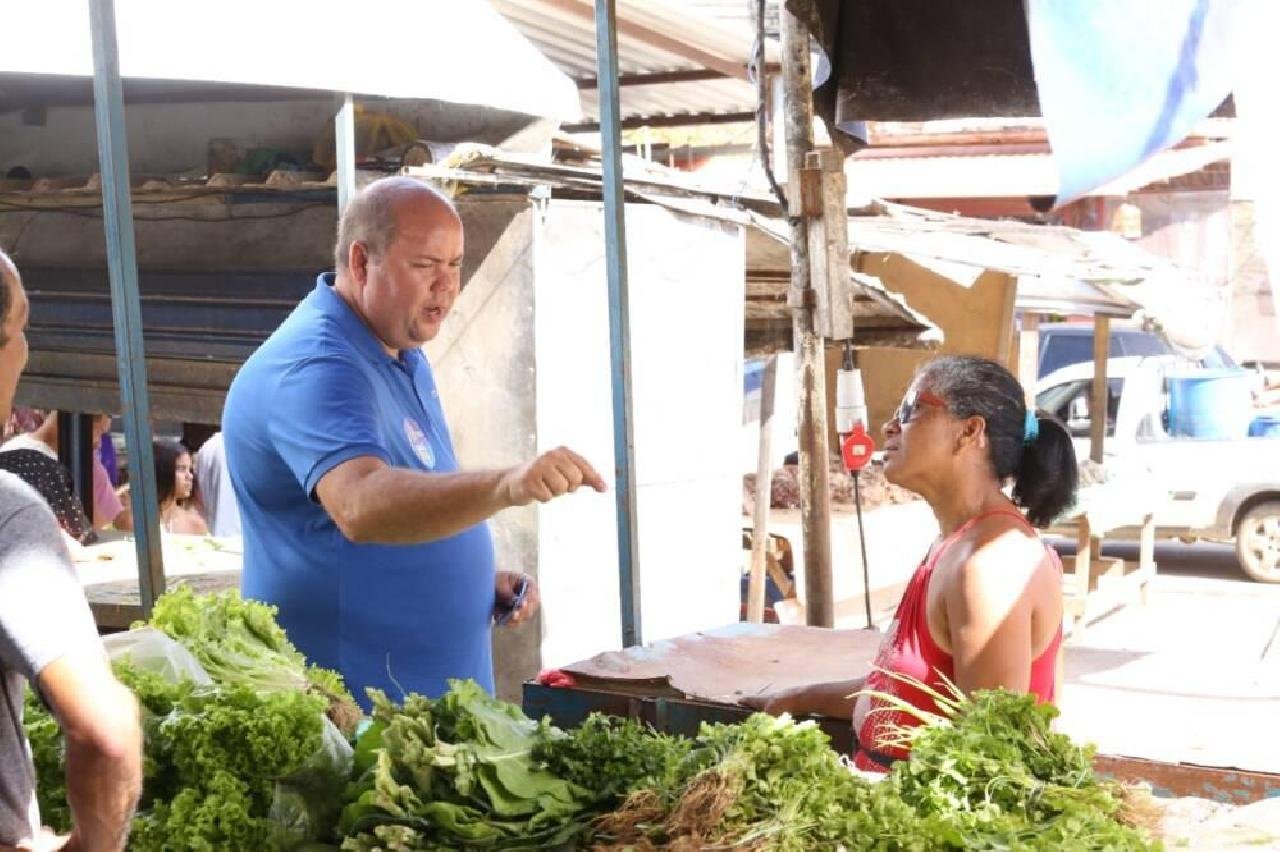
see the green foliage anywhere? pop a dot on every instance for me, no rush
(994, 775)
(244, 763)
(238, 642)
(214, 816)
(610, 757)
(456, 773)
(47, 752)
(989, 775)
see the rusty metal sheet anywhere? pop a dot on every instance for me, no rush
(727, 663)
(1169, 780)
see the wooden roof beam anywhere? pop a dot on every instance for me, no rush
(693, 75)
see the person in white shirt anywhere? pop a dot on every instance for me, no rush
(216, 498)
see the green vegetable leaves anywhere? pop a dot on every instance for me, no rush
(237, 641)
(989, 775)
(611, 757)
(456, 773)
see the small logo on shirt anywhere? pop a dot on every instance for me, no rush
(418, 440)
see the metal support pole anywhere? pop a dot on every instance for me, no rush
(764, 494)
(815, 493)
(344, 139)
(615, 246)
(126, 310)
(75, 450)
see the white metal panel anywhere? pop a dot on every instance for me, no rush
(454, 52)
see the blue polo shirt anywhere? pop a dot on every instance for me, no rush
(319, 392)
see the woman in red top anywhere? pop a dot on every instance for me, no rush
(984, 608)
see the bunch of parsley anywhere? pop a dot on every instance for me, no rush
(610, 757)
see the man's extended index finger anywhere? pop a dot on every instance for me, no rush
(589, 474)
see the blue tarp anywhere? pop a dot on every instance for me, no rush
(1120, 80)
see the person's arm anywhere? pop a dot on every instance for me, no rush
(124, 520)
(48, 635)
(99, 719)
(372, 502)
(988, 611)
(834, 699)
(107, 505)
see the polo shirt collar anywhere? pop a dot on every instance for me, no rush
(353, 328)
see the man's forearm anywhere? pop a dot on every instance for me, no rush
(102, 790)
(396, 506)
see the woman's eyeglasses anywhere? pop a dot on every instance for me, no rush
(909, 405)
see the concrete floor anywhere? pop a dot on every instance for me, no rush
(1193, 676)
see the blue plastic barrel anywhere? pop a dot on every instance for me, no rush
(1211, 404)
(1265, 426)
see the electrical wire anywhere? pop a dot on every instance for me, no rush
(762, 111)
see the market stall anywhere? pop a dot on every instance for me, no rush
(248, 747)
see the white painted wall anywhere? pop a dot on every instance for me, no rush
(686, 279)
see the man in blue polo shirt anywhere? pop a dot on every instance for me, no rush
(357, 522)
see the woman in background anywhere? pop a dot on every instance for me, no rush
(175, 482)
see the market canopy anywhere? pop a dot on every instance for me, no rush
(1060, 270)
(464, 53)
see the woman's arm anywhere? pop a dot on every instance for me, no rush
(988, 607)
(834, 699)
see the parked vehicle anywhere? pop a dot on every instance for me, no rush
(1221, 488)
(1063, 344)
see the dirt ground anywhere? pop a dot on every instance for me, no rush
(785, 492)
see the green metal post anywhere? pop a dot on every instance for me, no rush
(615, 241)
(126, 309)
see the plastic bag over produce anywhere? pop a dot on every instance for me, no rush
(151, 650)
(304, 806)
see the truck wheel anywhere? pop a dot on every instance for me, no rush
(1258, 543)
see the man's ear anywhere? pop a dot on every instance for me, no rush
(358, 262)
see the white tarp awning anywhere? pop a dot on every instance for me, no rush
(463, 53)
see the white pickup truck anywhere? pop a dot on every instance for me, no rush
(1219, 490)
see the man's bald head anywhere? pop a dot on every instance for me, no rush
(8, 283)
(371, 217)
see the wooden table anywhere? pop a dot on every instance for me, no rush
(1095, 585)
(108, 571)
(677, 684)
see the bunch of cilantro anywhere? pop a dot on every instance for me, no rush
(610, 757)
(768, 783)
(238, 641)
(992, 774)
(456, 773)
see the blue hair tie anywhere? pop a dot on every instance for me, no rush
(1032, 430)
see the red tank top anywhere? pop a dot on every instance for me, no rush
(911, 651)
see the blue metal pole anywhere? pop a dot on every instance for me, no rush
(126, 310)
(615, 247)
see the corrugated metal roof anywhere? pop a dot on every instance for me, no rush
(653, 37)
